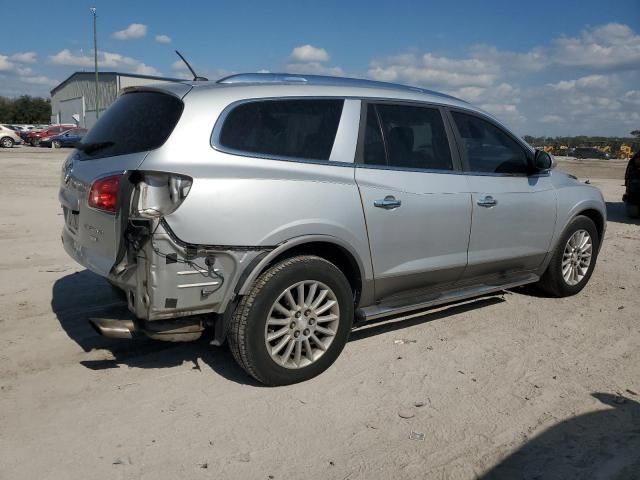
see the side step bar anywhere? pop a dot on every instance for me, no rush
(395, 308)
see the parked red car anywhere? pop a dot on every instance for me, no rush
(33, 138)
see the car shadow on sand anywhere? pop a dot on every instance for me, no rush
(82, 295)
(617, 213)
(602, 444)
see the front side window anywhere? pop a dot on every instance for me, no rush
(487, 148)
(415, 138)
(303, 129)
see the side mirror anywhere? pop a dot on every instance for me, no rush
(542, 160)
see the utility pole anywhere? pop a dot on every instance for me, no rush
(95, 57)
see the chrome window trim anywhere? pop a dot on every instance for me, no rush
(343, 129)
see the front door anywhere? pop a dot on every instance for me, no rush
(416, 202)
(514, 213)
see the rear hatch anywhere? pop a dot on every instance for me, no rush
(95, 187)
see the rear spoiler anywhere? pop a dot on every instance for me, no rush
(177, 89)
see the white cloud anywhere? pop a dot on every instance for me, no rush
(590, 81)
(310, 60)
(551, 119)
(5, 64)
(65, 57)
(314, 68)
(135, 30)
(632, 96)
(532, 61)
(105, 60)
(181, 71)
(594, 104)
(13, 69)
(25, 57)
(14, 86)
(163, 39)
(309, 53)
(433, 71)
(16, 79)
(586, 84)
(179, 65)
(41, 80)
(613, 45)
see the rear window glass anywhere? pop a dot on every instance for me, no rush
(302, 129)
(136, 122)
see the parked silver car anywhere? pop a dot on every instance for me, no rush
(9, 137)
(280, 209)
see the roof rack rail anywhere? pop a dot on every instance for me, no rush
(294, 78)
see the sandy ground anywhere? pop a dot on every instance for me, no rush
(510, 386)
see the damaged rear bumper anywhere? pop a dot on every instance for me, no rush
(174, 290)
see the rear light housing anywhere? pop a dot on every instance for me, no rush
(103, 194)
(160, 193)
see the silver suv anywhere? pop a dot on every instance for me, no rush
(279, 210)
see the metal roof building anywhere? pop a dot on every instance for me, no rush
(73, 101)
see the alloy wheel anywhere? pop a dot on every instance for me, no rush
(577, 257)
(302, 323)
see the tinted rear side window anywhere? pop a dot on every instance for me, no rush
(374, 153)
(136, 122)
(302, 129)
(415, 137)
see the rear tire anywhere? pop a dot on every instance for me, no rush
(7, 142)
(308, 325)
(633, 211)
(569, 257)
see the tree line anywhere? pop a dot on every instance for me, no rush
(586, 140)
(25, 109)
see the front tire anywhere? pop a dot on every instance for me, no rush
(573, 260)
(6, 142)
(294, 322)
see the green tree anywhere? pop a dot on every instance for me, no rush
(635, 133)
(25, 109)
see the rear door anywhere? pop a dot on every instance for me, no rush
(416, 202)
(514, 213)
(135, 124)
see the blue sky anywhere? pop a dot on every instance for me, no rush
(544, 67)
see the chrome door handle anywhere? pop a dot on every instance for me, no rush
(487, 202)
(389, 203)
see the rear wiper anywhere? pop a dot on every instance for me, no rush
(92, 147)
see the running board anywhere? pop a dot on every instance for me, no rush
(389, 309)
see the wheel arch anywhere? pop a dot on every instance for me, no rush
(596, 217)
(330, 248)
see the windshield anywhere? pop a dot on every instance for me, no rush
(136, 122)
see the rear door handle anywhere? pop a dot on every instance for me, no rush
(389, 203)
(488, 201)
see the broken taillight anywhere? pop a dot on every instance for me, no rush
(103, 194)
(161, 193)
